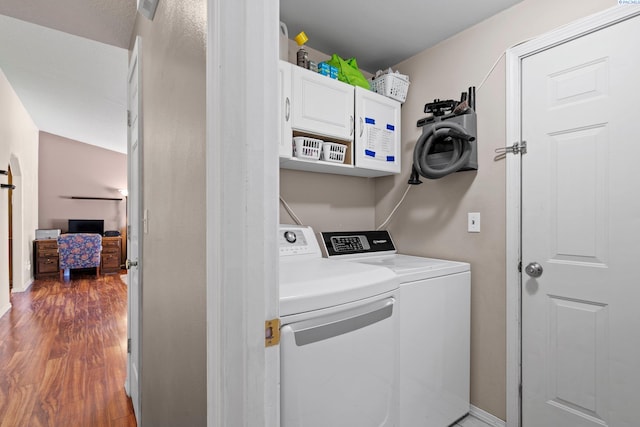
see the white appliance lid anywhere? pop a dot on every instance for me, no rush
(313, 284)
(411, 268)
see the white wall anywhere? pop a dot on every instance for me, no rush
(18, 146)
(433, 220)
(89, 171)
(173, 335)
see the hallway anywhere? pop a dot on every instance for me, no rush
(63, 354)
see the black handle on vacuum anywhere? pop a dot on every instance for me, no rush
(472, 97)
(459, 135)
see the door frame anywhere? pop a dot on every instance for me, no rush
(10, 233)
(21, 278)
(514, 59)
(242, 178)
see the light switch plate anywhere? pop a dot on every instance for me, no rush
(473, 222)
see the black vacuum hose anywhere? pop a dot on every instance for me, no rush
(459, 139)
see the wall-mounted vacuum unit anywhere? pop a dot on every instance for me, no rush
(448, 142)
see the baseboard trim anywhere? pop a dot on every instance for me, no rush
(5, 309)
(486, 417)
(25, 287)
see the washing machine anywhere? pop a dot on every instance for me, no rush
(434, 302)
(339, 338)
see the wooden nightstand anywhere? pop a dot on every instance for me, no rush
(111, 255)
(45, 254)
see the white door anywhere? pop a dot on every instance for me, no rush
(133, 221)
(581, 223)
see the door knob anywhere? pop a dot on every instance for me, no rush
(534, 269)
(128, 264)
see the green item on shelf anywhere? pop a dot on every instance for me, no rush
(348, 71)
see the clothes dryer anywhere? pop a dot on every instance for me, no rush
(434, 307)
(339, 338)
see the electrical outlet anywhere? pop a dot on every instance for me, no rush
(473, 222)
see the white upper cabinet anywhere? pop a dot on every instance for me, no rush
(323, 106)
(284, 109)
(365, 123)
(377, 142)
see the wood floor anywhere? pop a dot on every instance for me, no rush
(63, 355)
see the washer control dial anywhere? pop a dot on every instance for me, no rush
(290, 236)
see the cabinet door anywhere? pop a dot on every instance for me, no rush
(377, 140)
(321, 105)
(284, 110)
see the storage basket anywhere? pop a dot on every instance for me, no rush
(392, 86)
(307, 148)
(332, 152)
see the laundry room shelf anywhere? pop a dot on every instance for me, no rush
(329, 167)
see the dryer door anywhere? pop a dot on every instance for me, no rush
(340, 369)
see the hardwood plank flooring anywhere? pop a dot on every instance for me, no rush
(63, 354)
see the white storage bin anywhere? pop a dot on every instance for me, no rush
(391, 86)
(307, 148)
(332, 152)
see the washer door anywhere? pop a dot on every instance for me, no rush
(341, 369)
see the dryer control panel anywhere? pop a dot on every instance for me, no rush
(342, 243)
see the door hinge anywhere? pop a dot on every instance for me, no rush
(271, 332)
(519, 266)
(128, 345)
(128, 118)
(516, 148)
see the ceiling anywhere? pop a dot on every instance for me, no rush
(67, 59)
(67, 62)
(382, 33)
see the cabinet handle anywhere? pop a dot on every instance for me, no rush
(361, 127)
(352, 125)
(287, 109)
